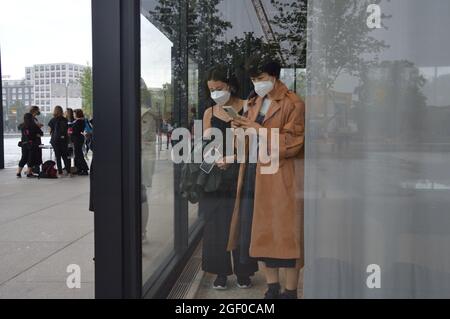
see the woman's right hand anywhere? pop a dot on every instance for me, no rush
(224, 162)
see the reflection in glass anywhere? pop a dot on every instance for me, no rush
(157, 171)
(378, 150)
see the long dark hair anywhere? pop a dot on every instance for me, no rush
(70, 117)
(28, 121)
(223, 74)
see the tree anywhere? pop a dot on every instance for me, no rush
(337, 46)
(86, 90)
(146, 96)
(291, 23)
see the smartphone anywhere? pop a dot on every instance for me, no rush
(207, 167)
(231, 112)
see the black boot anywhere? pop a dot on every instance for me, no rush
(273, 292)
(288, 294)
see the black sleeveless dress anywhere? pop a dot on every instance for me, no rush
(217, 209)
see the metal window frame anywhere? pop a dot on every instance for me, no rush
(2, 136)
(117, 158)
(116, 68)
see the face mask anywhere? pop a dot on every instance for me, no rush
(221, 97)
(263, 88)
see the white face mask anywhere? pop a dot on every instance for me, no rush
(263, 88)
(221, 97)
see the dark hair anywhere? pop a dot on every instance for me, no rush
(79, 113)
(35, 109)
(258, 64)
(28, 120)
(223, 74)
(70, 114)
(58, 111)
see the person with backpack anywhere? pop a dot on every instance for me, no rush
(69, 115)
(77, 138)
(59, 140)
(88, 130)
(30, 141)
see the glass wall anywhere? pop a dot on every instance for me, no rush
(377, 157)
(180, 41)
(157, 98)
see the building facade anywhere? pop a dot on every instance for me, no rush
(17, 96)
(56, 84)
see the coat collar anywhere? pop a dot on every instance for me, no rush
(277, 94)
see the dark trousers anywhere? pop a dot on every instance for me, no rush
(61, 153)
(25, 157)
(80, 163)
(217, 209)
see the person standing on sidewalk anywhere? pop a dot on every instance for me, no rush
(217, 206)
(59, 139)
(78, 142)
(267, 221)
(30, 141)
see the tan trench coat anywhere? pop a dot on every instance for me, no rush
(277, 227)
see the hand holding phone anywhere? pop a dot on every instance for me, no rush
(231, 112)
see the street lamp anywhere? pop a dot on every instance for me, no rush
(67, 94)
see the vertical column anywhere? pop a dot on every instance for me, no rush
(116, 182)
(2, 147)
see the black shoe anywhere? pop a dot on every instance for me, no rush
(244, 282)
(83, 173)
(220, 283)
(288, 295)
(273, 292)
(31, 176)
(19, 175)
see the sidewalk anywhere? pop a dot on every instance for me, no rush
(45, 226)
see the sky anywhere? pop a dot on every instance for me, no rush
(44, 31)
(156, 53)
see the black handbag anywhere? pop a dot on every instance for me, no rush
(195, 181)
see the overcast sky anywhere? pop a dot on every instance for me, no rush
(44, 31)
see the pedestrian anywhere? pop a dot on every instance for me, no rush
(69, 115)
(59, 140)
(268, 216)
(35, 112)
(217, 207)
(77, 138)
(30, 141)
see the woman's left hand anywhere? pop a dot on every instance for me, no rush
(245, 123)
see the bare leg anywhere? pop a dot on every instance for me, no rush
(271, 274)
(292, 275)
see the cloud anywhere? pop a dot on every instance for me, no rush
(44, 31)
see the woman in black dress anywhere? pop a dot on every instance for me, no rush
(217, 207)
(31, 137)
(78, 142)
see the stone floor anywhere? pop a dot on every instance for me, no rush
(259, 287)
(45, 226)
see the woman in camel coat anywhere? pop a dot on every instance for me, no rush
(269, 207)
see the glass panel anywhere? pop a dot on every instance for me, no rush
(227, 33)
(157, 168)
(378, 182)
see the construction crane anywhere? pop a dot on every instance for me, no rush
(265, 24)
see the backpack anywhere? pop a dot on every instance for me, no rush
(87, 126)
(48, 170)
